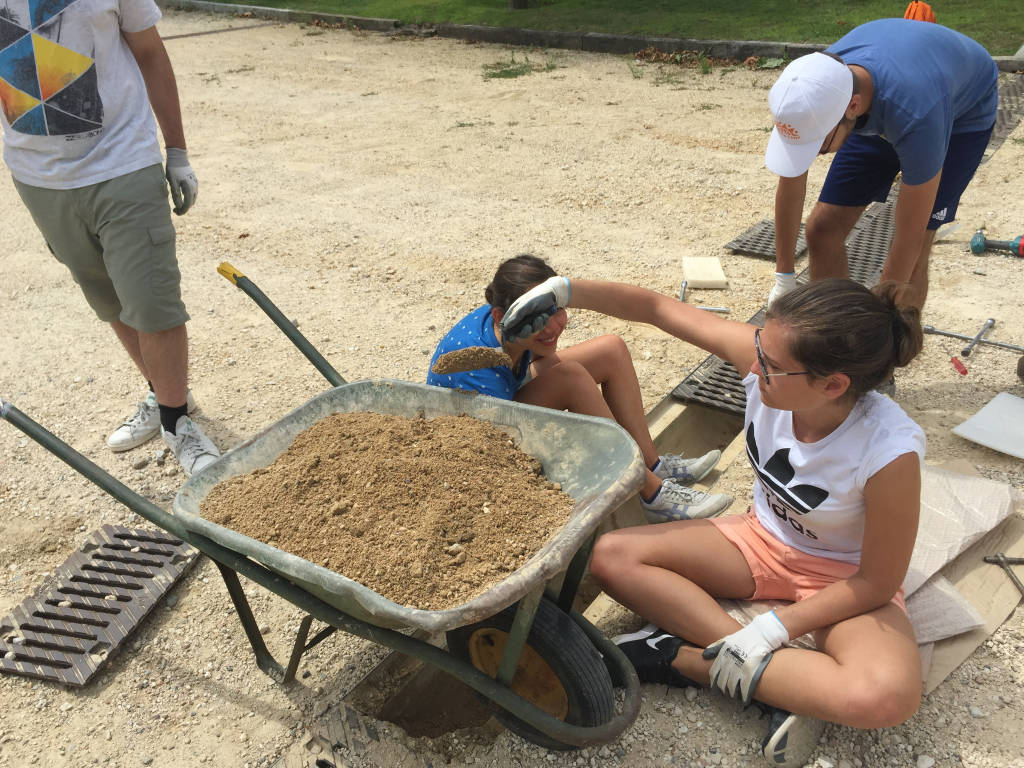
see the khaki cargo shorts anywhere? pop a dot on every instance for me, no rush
(117, 239)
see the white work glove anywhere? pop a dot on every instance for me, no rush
(181, 177)
(784, 283)
(740, 658)
(531, 311)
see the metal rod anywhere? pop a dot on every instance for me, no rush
(574, 575)
(682, 290)
(1004, 345)
(520, 630)
(720, 310)
(264, 659)
(249, 288)
(1004, 563)
(298, 648)
(966, 351)
(1010, 560)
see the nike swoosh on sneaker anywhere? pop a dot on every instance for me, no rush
(653, 641)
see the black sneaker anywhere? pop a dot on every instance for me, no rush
(791, 738)
(651, 651)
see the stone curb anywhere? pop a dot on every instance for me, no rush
(594, 42)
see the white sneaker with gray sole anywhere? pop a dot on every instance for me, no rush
(193, 450)
(142, 425)
(680, 502)
(686, 471)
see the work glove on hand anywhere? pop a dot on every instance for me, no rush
(181, 177)
(531, 311)
(740, 658)
(784, 283)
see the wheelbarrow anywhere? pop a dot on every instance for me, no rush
(547, 672)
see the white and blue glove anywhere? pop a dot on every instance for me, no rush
(784, 283)
(531, 311)
(740, 658)
(183, 181)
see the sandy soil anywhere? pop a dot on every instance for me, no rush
(370, 185)
(359, 493)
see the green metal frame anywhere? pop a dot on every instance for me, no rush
(232, 563)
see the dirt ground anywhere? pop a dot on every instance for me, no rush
(370, 185)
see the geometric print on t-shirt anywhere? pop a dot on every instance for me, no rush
(46, 89)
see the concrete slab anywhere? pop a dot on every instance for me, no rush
(704, 272)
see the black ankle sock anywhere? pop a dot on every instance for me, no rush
(652, 496)
(169, 416)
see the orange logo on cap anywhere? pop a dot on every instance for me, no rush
(787, 130)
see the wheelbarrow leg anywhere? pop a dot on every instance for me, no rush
(264, 660)
(574, 575)
(520, 630)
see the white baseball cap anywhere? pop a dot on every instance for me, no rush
(807, 103)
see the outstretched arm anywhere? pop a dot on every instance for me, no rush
(730, 340)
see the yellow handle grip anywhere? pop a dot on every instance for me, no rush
(229, 273)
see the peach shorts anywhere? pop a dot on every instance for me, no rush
(782, 572)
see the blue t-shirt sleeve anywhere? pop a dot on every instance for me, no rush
(475, 330)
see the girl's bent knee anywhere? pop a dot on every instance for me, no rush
(609, 558)
(882, 705)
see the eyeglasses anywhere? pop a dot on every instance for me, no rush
(764, 367)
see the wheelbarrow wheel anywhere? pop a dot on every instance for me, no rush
(559, 669)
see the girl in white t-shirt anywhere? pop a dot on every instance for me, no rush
(832, 525)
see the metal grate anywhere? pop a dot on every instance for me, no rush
(867, 247)
(715, 382)
(103, 592)
(759, 241)
(718, 384)
(1009, 113)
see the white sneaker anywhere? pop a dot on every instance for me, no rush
(142, 425)
(678, 502)
(791, 739)
(193, 450)
(686, 471)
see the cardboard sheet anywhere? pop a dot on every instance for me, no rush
(957, 509)
(988, 589)
(999, 425)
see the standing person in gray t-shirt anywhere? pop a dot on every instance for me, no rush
(80, 82)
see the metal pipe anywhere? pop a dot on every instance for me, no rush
(720, 310)
(247, 286)
(966, 351)
(1004, 345)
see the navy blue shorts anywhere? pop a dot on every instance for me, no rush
(865, 166)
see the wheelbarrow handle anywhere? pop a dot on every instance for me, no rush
(247, 286)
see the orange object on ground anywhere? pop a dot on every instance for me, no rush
(960, 367)
(919, 11)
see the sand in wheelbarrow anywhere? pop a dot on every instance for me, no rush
(426, 512)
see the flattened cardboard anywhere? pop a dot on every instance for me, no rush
(999, 425)
(988, 589)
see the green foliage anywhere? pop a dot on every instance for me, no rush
(509, 68)
(996, 24)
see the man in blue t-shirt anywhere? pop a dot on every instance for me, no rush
(892, 96)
